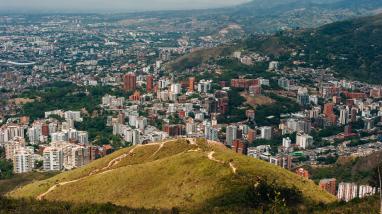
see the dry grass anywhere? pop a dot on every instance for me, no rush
(280, 176)
(257, 100)
(174, 175)
(22, 179)
(199, 57)
(20, 101)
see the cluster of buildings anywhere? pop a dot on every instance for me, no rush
(190, 107)
(250, 58)
(62, 155)
(155, 104)
(65, 48)
(56, 143)
(343, 191)
(347, 191)
(23, 157)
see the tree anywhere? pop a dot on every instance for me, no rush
(6, 169)
(38, 164)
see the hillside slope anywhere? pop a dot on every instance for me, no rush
(352, 48)
(187, 174)
(198, 57)
(274, 15)
(256, 16)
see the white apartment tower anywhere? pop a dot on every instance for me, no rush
(266, 132)
(304, 141)
(23, 161)
(53, 159)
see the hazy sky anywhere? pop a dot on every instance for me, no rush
(128, 5)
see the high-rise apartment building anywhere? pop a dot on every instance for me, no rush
(191, 84)
(304, 141)
(211, 133)
(231, 134)
(329, 185)
(53, 159)
(266, 132)
(130, 82)
(347, 191)
(149, 83)
(23, 160)
(12, 146)
(344, 116)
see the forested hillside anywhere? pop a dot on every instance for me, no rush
(352, 48)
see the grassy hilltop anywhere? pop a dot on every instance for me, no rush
(186, 174)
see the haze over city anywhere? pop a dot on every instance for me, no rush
(112, 5)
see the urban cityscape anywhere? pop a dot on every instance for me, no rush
(77, 89)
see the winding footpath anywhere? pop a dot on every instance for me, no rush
(112, 163)
(234, 169)
(161, 145)
(118, 159)
(211, 157)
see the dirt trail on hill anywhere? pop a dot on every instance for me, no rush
(234, 169)
(118, 159)
(112, 163)
(161, 145)
(211, 157)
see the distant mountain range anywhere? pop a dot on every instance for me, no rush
(257, 16)
(268, 16)
(274, 15)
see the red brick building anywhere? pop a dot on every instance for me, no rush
(329, 113)
(191, 84)
(174, 130)
(136, 96)
(353, 95)
(182, 114)
(149, 83)
(244, 83)
(45, 130)
(329, 185)
(239, 147)
(302, 172)
(222, 104)
(328, 109)
(251, 136)
(332, 119)
(130, 82)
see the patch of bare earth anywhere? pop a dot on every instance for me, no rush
(257, 100)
